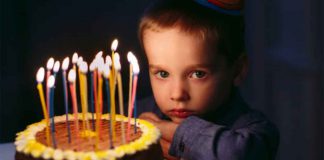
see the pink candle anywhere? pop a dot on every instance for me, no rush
(71, 77)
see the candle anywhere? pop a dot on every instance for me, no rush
(80, 60)
(136, 72)
(92, 67)
(100, 64)
(49, 67)
(130, 59)
(132, 88)
(112, 88)
(120, 93)
(65, 66)
(71, 78)
(106, 74)
(84, 94)
(75, 59)
(40, 77)
(50, 85)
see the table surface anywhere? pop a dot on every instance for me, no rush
(7, 151)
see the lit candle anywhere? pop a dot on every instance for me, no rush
(112, 88)
(65, 66)
(84, 94)
(120, 92)
(92, 68)
(80, 61)
(49, 67)
(50, 85)
(71, 78)
(133, 84)
(130, 60)
(40, 77)
(75, 58)
(136, 72)
(106, 73)
(100, 65)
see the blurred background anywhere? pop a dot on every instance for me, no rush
(284, 40)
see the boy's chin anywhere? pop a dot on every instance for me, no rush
(177, 119)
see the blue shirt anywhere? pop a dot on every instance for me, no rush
(232, 132)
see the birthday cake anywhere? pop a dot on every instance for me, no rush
(143, 144)
(89, 134)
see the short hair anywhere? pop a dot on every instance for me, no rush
(224, 32)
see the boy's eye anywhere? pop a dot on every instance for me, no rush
(162, 74)
(198, 74)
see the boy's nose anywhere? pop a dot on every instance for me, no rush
(179, 92)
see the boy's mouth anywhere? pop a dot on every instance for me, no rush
(180, 113)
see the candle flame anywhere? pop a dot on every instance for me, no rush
(100, 64)
(114, 45)
(75, 58)
(117, 62)
(136, 68)
(50, 81)
(72, 76)
(50, 63)
(40, 75)
(92, 66)
(108, 60)
(131, 57)
(84, 67)
(65, 63)
(99, 54)
(80, 60)
(106, 70)
(56, 66)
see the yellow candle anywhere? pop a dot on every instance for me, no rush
(131, 59)
(113, 104)
(40, 78)
(112, 88)
(81, 97)
(84, 93)
(120, 93)
(99, 107)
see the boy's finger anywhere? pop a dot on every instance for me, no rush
(149, 116)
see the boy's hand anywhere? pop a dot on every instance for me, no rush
(167, 129)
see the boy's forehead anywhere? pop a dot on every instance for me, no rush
(171, 41)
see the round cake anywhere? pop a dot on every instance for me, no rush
(32, 144)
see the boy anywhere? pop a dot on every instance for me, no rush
(196, 62)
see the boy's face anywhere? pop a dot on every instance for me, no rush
(187, 77)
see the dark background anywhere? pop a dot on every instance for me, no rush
(284, 44)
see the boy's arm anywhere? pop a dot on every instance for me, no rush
(255, 138)
(167, 129)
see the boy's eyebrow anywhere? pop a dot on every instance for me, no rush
(154, 66)
(191, 66)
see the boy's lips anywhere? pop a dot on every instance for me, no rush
(180, 113)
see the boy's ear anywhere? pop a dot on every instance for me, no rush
(240, 70)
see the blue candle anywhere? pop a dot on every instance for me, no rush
(92, 100)
(108, 106)
(66, 105)
(52, 115)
